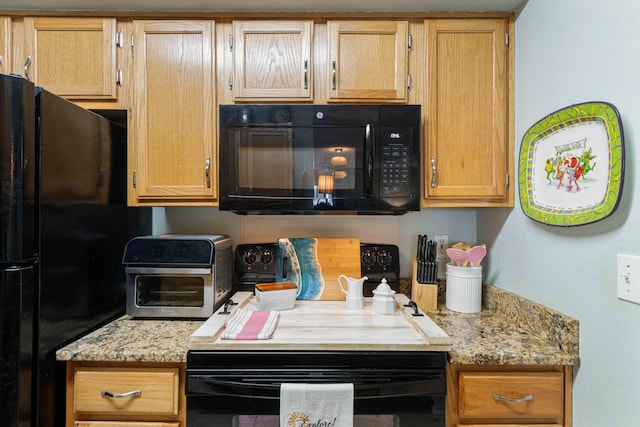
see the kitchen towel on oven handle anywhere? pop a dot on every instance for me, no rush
(304, 404)
(251, 325)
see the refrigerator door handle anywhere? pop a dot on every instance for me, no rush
(19, 263)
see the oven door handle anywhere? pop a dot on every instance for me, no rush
(201, 385)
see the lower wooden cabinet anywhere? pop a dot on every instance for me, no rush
(125, 395)
(514, 396)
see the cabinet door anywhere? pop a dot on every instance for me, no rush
(72, 57)
(273, 60)
(5, 44)
(174, 98)
(367, 61)
(467, 111)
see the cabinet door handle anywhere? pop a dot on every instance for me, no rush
(26, 68)
(306, 73)
(433, 172)
(524, 398)
(120, 395)
(207, 168)
(333, 73)
(119, 39)
(119, 79)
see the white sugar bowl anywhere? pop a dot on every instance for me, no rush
(384, 301)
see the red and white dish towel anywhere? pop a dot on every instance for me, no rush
(251, 325)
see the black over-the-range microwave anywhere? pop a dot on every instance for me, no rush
(311, 159)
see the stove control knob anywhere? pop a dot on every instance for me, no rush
(249, 257)
(384, 257)
(266, 257)
(367, 257)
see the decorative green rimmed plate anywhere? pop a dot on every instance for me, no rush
(572, 165)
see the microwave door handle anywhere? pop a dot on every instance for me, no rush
(368, 138)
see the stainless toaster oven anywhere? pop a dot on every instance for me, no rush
(177, 276)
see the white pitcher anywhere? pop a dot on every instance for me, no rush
(355, 296)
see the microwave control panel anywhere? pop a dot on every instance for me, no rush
(396, 160)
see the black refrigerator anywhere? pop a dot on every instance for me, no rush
(64, 224)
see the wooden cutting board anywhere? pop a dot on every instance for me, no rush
(314, 265)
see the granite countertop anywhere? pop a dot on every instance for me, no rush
(508, 331)
(133, 340)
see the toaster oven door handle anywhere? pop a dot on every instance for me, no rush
(168, 271)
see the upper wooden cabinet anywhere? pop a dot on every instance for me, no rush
(5, 45)
(467, 144)
(72, 57)
(367, 61)
(272, 60)
(172, 142)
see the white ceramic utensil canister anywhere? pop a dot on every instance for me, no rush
(384, 301)
(355, 296)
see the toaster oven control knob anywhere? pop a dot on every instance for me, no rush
(249, 257)
(266, 257)
(367, 257)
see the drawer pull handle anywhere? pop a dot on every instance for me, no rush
(119, 395)
(524, 398)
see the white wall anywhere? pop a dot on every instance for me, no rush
(459, 224)
(568, 52)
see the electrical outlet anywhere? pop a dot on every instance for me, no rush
(442, 241)
(628, 269)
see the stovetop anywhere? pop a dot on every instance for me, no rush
(330, 326)
(256, 263)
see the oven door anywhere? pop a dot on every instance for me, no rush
(384, 397)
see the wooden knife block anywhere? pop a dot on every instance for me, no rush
(425, 295)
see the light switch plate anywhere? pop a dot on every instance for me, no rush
(628, 277)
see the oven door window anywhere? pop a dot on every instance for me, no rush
(298, 162)
(169, 291)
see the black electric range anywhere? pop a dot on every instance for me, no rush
(256, 263)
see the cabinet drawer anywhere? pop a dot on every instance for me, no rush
(150, 391)
(123, 424)
(512, 395)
